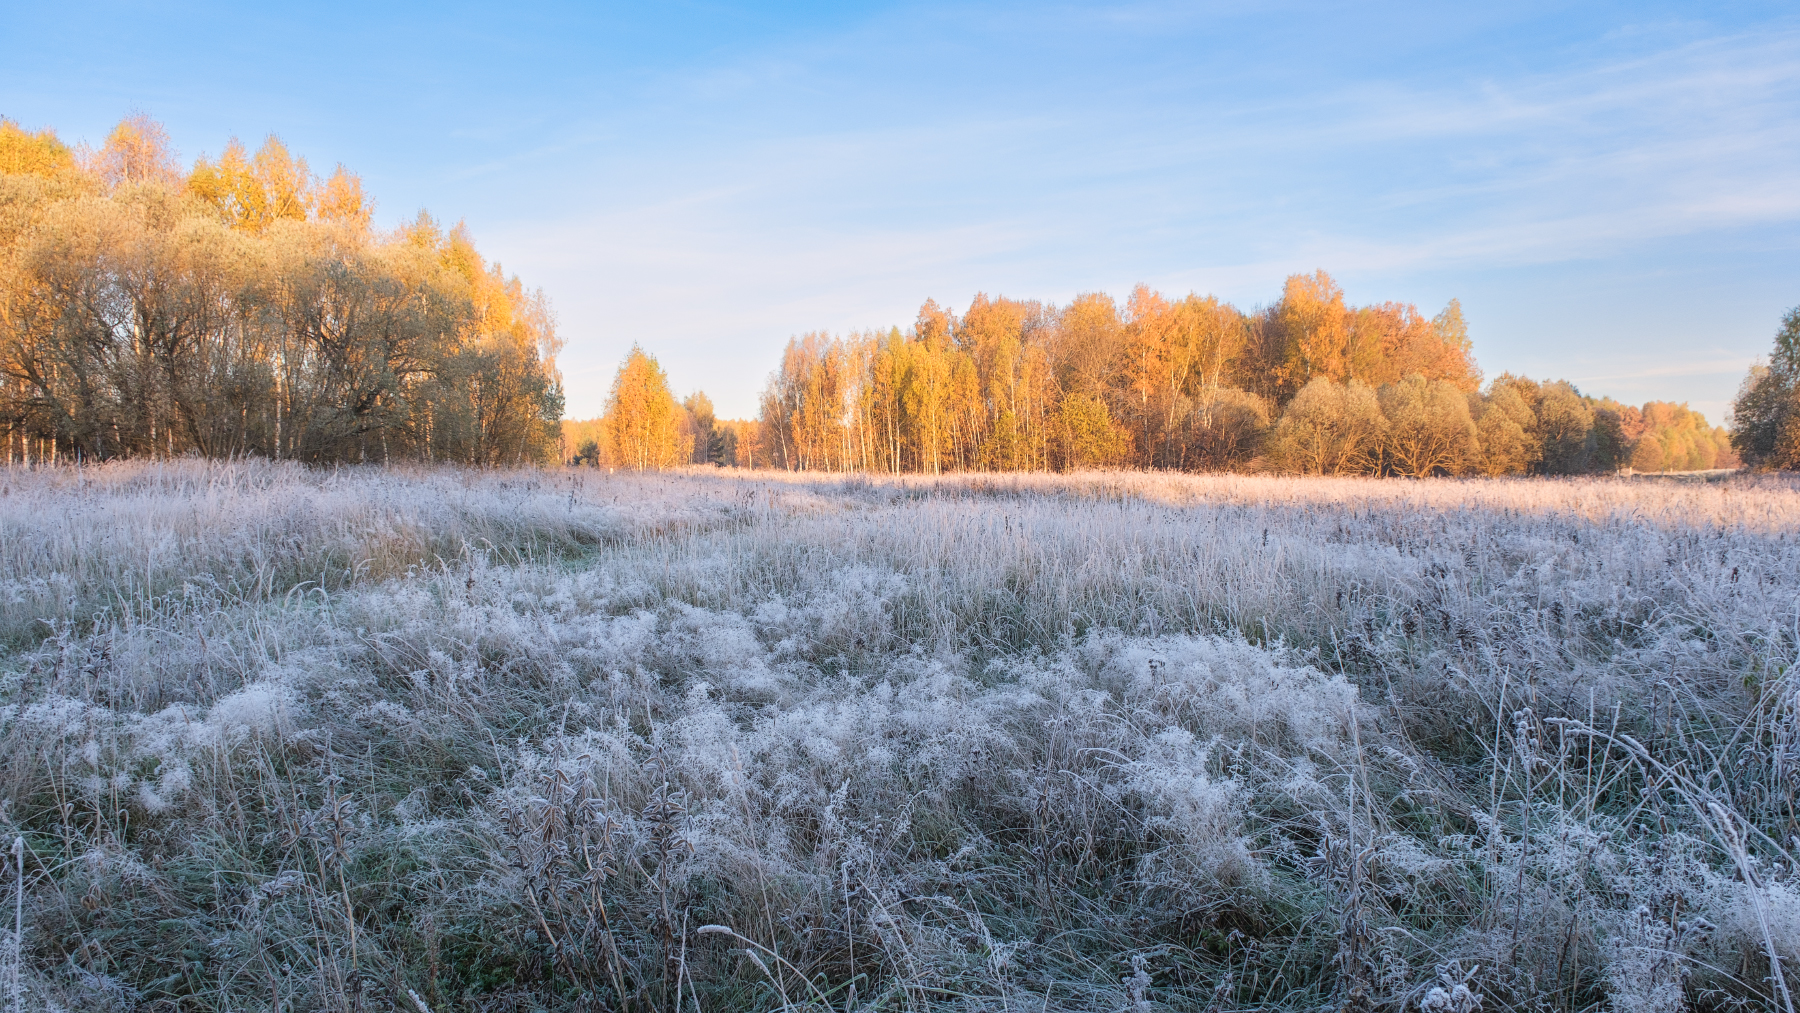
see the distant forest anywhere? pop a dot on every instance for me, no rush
(244, 306)
(1309, 385)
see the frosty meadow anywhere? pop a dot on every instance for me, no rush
(280, 739)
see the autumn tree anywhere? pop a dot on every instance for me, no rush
(342, 200)
(1089, 341)
(805, 405)
(1565, 425)
(253, 192)
(926, 392)
(1311, 326)
(1225, 429)
(1331, 429)
(1086, 433)
(1429, 429)
(1175, 395)
(642, 417)
(1392, 341)
(1766, 411)
(136, 151)
(714, 442)
(1507, 430)
(41, 154)
(1152, 371)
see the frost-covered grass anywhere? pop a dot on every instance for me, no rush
(292, 740)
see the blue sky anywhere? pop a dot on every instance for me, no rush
(1612, 190)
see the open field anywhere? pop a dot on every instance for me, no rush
(290, 740)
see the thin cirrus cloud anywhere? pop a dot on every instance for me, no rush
(1416, 190)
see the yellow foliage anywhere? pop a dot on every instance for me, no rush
(1088, 435)
(253, 193)
(586, 442)
(1673, 437)
(642, 418)
(1016, 385)
(286, 184)
(1314, 331)
(137, 151)
(39, 154)
(342, 200)
(250, 311)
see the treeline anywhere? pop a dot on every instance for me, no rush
(245, 306)
(1310, 384)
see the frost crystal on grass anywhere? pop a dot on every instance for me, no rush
(511, 740)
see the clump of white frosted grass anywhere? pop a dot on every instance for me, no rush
(287, 739)
(126, 541)
(260, 708)
(1644, 964)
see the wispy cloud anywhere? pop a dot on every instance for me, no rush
(832, 184)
